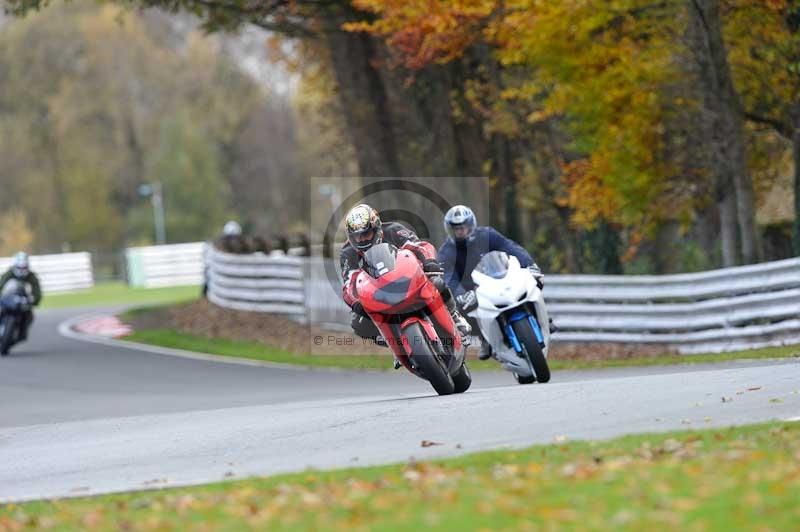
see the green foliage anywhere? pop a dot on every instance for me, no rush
(93, 104)
(188, 165)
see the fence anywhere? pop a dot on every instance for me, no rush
(63, 272)
(714, 311)
(256, 282)
(169, 265)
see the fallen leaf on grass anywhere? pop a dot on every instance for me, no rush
(412, 475)
(428, 443)
(91, 519)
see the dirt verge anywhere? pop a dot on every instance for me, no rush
(201, 318)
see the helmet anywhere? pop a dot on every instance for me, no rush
(363, 227)
(232, 229)
(21, 266)
(460, 223)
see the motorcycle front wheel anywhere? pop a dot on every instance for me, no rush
(426, 362)
(527, 338)
(7, 334)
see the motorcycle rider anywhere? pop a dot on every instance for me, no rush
(364, 230)
(461, 253)
(20, 270)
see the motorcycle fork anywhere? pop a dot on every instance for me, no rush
(506, 319)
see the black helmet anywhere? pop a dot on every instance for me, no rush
(363, 227)
(460, 223)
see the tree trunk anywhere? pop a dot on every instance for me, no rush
(726, 203)
(729, 152)
(365, 102)
(796, 151)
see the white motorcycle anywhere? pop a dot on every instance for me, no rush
(512, 316)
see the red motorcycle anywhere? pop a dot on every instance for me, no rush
(407, 308)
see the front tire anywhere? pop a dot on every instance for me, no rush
(526, 337)
(7, 337)
(426, 362)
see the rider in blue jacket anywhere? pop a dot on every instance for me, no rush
(461, 252)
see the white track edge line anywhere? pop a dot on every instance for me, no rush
(65, 329)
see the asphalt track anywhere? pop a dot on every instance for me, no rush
(79, 417)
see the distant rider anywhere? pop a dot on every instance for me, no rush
(20, 270)
(364, 230)
(461, 253)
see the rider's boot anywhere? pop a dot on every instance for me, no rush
(486, 350)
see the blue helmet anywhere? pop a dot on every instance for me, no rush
(460, 223)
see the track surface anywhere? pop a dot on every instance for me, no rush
(80, 418)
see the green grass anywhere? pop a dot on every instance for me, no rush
(789, 351)
(257, 351)
(116, 293)
(745, 478)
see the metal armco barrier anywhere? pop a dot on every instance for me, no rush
(714, 311)
(168, 265)
(256, 282)
(62, 272)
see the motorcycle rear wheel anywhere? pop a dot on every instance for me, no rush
(462, 380)
(426, 362)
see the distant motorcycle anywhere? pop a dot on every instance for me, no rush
(15, 302)
(408, 310)
(512, 316)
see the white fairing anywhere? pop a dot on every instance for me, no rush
(495, 296)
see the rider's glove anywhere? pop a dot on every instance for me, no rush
(467, 301)
(537, 274)
(432, 266)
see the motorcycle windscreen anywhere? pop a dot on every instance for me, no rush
(14, 287)
(380, 259)
(494, 264)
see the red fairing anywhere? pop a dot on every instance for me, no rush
(382, 303)
(349, 294)
(423, 250)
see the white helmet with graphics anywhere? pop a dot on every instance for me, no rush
(363, 226)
